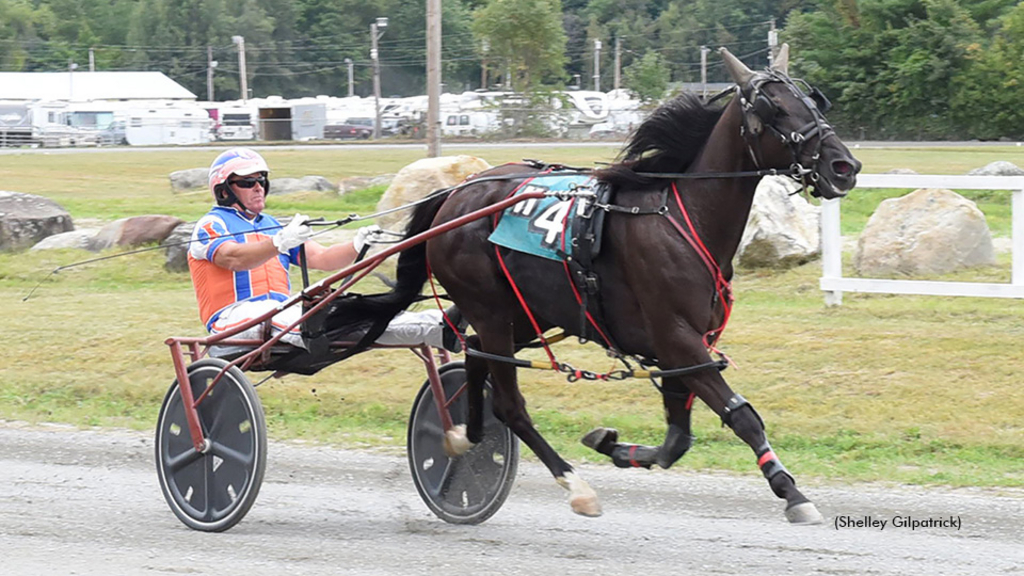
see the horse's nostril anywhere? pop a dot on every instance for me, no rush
(842, 168)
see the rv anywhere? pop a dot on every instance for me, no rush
(168, 123)
(234, 123)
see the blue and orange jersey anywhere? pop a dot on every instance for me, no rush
(217, 288)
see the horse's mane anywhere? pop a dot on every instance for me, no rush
(667, 141)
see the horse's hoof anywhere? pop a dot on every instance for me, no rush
(455, 441)
(804, 513)
(601, 439)
(586, 505)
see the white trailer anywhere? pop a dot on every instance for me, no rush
(168, 123)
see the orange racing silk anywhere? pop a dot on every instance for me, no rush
(217, 288)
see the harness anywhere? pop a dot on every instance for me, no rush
(760, 111)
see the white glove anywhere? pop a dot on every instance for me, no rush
(365, 235)
(294, 234)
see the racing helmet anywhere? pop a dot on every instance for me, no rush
(239, 161)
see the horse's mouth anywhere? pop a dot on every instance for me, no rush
(838, 178)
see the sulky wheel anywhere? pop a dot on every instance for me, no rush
(470, 488)
(212, 490)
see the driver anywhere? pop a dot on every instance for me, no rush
(239, 259)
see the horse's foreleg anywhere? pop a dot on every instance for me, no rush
(510, 408)
(678, 400)
(739, 415)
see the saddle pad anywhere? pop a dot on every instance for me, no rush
(537, 226)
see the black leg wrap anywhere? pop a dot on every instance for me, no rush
(634, 456)
(732, 405)
(772, 467)
(677, 442)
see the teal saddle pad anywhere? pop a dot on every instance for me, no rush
(537, 226)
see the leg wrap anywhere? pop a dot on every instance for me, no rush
(733, 405)
(634, 455)
(769, 463)
(677, 442)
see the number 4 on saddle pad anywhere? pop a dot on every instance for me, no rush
(537, 226)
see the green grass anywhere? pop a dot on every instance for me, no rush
(892, 388)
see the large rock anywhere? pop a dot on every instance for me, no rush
(783, 229)
(421, 178)
(176, 253)
(25, 219)
(997, 168)
(928, 231)
(134, 231)
(304, 184)
(353, 183)
(190, 179)
(80, 239)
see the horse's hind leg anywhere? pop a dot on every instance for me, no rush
(510, 408)
(678, 401)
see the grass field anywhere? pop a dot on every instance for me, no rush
(884, 388)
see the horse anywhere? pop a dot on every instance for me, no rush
(688, 172)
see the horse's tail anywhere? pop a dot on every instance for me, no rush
(373, 313)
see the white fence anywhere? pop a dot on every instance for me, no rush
(834, 284)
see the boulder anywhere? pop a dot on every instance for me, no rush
(420, 179)
(190, 179)
(176, 253)
(783, 229)
(304, 184)
(928, 231)
(134, 231)
(25, 219)
(997, 168)
(80, 239)
(354, 183)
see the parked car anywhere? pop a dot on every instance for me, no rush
(355, 128)
(112, 135)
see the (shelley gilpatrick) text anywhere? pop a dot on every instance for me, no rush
(897, 522)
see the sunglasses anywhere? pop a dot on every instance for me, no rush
(249, 182)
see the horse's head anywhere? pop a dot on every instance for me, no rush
(784, 125)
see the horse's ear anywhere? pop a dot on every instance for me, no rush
(781, 62)
(738, 70)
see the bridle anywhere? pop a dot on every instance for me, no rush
(760, 112)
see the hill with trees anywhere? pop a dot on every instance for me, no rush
(894, 68)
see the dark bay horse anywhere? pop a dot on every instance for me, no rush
(663, 298)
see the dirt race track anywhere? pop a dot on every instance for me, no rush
(87, 502)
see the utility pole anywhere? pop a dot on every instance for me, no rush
(374, 36)
(71, 79)
(618, 63)
(704, 69)
(210, 65)
(485, 47)
(597, 65)
(240, 42)
(351, 91)
(433, 78)
(92, 59)
(773, 42)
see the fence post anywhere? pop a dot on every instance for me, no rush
(831, 249)
(1017, 237)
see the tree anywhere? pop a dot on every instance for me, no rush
(647, 78)
(527, 36)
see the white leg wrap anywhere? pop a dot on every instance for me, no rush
(455, 441)
(582, 497)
